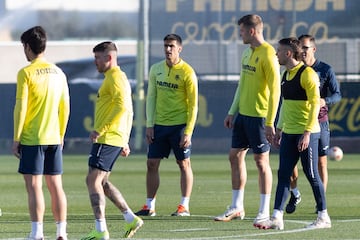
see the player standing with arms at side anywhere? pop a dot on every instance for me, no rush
(298, 132)
(171, 111)
(110, 138)
(255, 103)
(40, 119)
(330, 94)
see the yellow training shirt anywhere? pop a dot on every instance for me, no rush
(172, 96)
(42, 104)
(258, 91)
(297, 116)
(114, 109)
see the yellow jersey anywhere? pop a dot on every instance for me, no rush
(114, 109)
(42, 104)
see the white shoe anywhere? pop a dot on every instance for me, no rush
(272, 223)
(320, 223)
(230, 214)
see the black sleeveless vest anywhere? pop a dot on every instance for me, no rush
(292, 89)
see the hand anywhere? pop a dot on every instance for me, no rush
(16, 149)
(149, 135)
(270, 133)
(304, 141)
(94, 135)
(125, 151)
(322, 102)
(228, 121)
(185, 141)
(277, 138)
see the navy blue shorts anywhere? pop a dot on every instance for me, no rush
(324, 141)
(249, 132)
(165, 139)
(41, 159)
(103, 156)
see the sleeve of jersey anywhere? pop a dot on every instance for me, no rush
(272, 73)
(64, 110)
(117, 110)
(234, 108)
(334, 89)
(192, 96)
(20, 105)
(279, 124)
(310, 82)
(150, 99)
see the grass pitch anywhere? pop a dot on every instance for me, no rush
(211, 194)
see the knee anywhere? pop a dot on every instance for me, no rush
(184, 164)
(152, 165)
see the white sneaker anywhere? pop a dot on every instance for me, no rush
(230, 214)
(272, 223)
(320, 223)
(260, 218)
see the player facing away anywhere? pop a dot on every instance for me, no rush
(110, 137)
(297, 132)
(171, 112)
(329, 94)
(40, 119)
(255, 104)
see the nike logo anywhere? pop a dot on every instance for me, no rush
(261, 145)
(159, 73)
(186, 151)
(326, 147)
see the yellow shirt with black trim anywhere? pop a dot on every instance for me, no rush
(297, 116)
(172, 96)
(114, 109)
(258, 91)
(42, 104)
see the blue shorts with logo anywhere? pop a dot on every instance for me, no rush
(324, 141)
(167, 138)
(41, 160)
(103, 156)
(249, 132)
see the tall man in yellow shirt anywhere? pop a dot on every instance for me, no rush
(255, 104)
(40, 118)
(171, 111)
(110, 137)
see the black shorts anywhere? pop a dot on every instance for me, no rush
(249, 132)
(103, 156)
(41, 159)
(167, 138)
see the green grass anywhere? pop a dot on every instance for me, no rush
(211, 195)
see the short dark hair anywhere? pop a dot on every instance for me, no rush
(173, 37)
(105, 47)
(294, 45)
(310, 37)
(36, 38)
(250, 20)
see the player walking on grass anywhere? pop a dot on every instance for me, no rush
(171, 111)
(255, 103)
(40, 118)
(330, 94)
(298, 132)
(110, 137)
